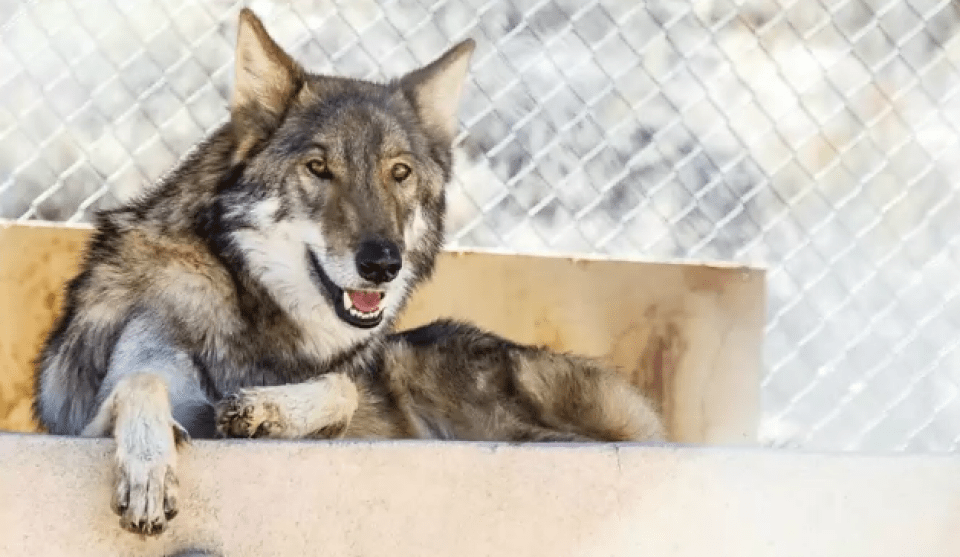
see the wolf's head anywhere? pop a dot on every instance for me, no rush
(338, 203)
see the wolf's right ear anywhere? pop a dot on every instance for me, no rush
(266, 77)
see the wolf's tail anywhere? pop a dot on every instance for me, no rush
(582, 396)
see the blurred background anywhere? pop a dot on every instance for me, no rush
(817, 139)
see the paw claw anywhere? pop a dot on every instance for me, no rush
(120, 501)
(158, 526)
(180, 435)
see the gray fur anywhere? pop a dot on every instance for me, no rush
(144, 345)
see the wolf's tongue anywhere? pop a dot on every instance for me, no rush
(365, 301)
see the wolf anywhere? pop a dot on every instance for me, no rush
(252, 292)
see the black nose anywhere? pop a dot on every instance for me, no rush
(378, 261)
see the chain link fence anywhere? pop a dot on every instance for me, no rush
(818, 138)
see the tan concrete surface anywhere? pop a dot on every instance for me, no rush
(689, 335)
(417, 499)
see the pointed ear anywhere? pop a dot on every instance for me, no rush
(266, 76)
(435, 89)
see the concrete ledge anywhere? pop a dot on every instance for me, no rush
(261, 498)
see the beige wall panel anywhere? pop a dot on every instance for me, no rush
(690, 335)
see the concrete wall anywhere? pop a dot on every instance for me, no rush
(416, 499)
(689, 335)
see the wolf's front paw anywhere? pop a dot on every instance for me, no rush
(321, 408)
(145, 494)
(248, 414)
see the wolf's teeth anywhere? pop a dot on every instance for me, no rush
(348, 305)
(357, 313)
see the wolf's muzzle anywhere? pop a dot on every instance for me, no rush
(378, 261)
(360, 308)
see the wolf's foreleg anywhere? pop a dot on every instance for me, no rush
(148, 383)
(137, 414)
(322, 407)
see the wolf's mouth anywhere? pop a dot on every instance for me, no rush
(360, 308)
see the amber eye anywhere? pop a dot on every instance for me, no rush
(400, 172)
(318, 168)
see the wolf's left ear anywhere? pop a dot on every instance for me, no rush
(435, 89)
(266, 77)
